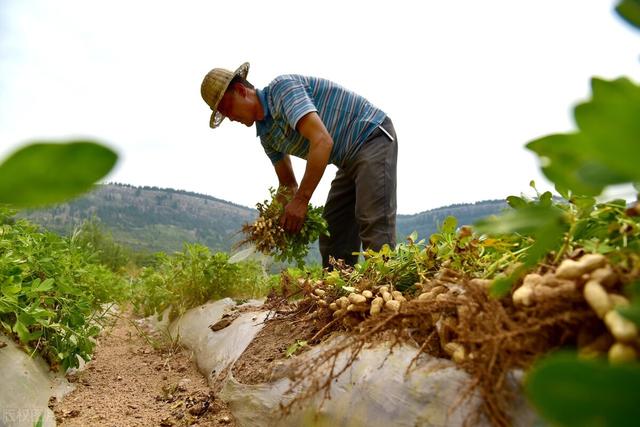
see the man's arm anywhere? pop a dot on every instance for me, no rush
(320, 144)
(288, 185)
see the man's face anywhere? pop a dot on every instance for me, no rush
(236, 105)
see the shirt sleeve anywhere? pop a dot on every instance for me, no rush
(291, 100)
(274, 156)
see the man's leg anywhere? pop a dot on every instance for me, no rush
(375, 178)
(339, 212)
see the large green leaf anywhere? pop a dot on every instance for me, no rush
(629, 10)
(42, 173)
(573, 392)
(605, 148)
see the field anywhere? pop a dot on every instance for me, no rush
(549, 288)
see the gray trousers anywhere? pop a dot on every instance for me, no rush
(361, 206)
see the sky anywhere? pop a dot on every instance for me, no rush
(466, 83)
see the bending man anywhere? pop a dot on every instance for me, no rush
(321, 122)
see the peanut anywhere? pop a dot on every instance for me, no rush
(392, 305)
(424, 296)
(605, 276)
(357, 298)
(620, 327)
(532, 279)
(397, 295)
(597, 298)
(523, 295)
(376, 306)
(622, 353)
(570, 269)
(339, 313)
(342, 302)
(357, 307)
(456, 351)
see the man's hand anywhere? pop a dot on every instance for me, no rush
(294, 215)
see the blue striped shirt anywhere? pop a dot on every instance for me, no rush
(348, 117)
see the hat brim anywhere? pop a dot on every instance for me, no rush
(216, 116)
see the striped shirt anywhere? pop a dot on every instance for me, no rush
(348, 117)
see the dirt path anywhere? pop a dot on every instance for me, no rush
(130, 383)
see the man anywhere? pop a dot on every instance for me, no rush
(322, 122)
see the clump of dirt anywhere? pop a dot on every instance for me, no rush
(137, 377)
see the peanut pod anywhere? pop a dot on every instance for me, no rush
(357, 298)
(376, 306)
(620, 327)
(392, 305)
(597, 298)
(622, 353)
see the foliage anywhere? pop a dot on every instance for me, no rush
(603, 151)
(193, 277)
(92, 236)
(451, 247)
(36, 174)
(51, 292)
(573, 392)
(630, 11)
(136, 220)
(270, 238)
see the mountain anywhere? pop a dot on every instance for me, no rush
(427, 222)
(160, 219)
(150, 218)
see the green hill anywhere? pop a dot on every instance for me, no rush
(154, 219)
(150, 218)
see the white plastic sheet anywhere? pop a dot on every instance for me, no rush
(216, 350)
(373, 392)
(25, 387)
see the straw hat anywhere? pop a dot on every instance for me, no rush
(214, 85)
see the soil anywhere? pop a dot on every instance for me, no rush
(130, 382)
(269, 347)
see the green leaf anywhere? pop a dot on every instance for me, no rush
(584, 204)
(563, 191)
(449, 225)
(42, 173)
(10, 288)
(24, 334)
(573, 392)
(502, 285)
(44, 286)
(604, 150)
(629, 10)
(516, 202)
